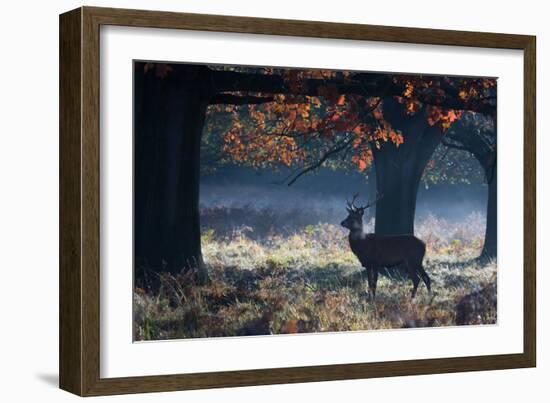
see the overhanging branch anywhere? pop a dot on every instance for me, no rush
(230, 99)
(448, 144)
(320, 161)
(362, 84)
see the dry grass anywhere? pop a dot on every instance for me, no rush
(309, 281)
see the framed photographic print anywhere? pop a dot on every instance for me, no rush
(250, 201)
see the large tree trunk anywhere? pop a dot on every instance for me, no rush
(397, 181)
(167, 168)
(149, 131)
(182, 243)
(399, 169)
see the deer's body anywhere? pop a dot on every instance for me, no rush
(387, 250)
(378, 251)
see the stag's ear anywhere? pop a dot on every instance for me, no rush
(349, 210)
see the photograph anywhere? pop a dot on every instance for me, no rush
(275, 200)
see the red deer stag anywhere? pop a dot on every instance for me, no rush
(376, 251)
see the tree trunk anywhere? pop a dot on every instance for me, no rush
(182, 242)
(370, 214)
(399, 169)
(149, 131)
(490, 245)
(167, 177)
(397, 181)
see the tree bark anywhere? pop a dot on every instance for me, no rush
(489, 250)
(182, 242)
(395, 179)
(399, 169)
(148, 134)
(167, 177)
(370, 214)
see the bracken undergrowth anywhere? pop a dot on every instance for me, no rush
(305, 279)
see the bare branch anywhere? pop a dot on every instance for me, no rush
(321, 160)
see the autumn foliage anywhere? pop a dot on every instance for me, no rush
(306, 119)
(308, 131)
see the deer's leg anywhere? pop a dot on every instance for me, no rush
(374, 279)
(416, 281)
(425, 278)
(372, 276)
(414, 278)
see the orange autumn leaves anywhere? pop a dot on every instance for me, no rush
(473, 89)
(297, 130)
(434, 114)
(444, 118)
(259, 150)
(261, 138)
(469, 90)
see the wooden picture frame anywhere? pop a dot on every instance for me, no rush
(79, 201)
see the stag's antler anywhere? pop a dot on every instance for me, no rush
(351, 205)
(373, 202)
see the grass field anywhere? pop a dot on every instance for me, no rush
(268, 278)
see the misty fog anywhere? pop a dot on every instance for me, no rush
(325, 194)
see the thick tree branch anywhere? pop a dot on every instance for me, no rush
(230, 99)
(448, 144)
(212, 82)
(383, 85)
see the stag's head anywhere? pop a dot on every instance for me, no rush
(354, 220)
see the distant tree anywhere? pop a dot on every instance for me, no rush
(476, 134)
(452, 167)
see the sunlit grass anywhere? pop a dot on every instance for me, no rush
(308, 280)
